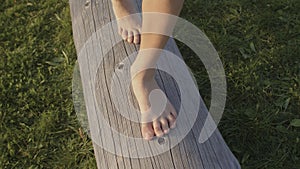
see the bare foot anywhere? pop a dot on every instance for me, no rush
(159, 125)
(129, 25)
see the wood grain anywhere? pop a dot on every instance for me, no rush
(88, 16)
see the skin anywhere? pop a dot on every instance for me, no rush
(130, 27)
(143, 82)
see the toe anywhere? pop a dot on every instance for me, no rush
(147, 131)
(124, 34)
(171, 120)
(157, 129)
(120, 30)
(136, 37)
(130, 37)
(164, 125)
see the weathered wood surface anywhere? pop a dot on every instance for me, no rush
(88, 16)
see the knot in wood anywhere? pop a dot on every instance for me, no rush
(161, 141)
(87, 3)
(120, 66)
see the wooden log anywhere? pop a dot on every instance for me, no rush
(88, 16)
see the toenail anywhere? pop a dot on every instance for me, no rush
(161, 141)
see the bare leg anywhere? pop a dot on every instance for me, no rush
(128, 25)
(143, 83)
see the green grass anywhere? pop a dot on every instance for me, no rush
(258, 42)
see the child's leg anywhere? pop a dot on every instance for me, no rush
(144, 82)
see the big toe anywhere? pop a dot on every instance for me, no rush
(124, 34)
(147, 131)
(130, 37)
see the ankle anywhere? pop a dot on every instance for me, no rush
(119, 1)
(144, 75)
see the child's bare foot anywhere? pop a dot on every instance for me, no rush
(157, 125)
(129, 23)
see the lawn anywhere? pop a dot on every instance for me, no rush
(258, 42)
